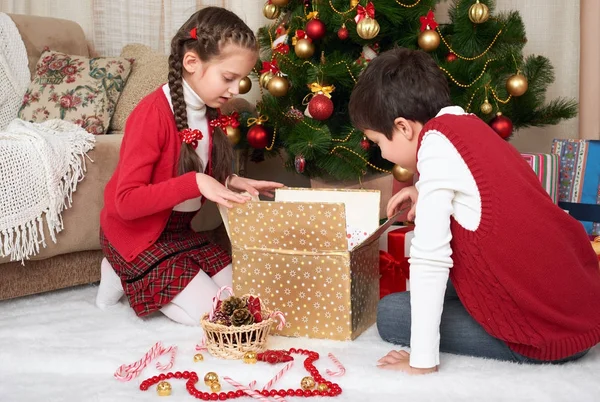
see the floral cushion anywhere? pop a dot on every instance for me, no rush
(75, 88)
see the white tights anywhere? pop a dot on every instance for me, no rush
(186, 308)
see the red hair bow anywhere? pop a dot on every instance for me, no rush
(191, 137)
(194, 33)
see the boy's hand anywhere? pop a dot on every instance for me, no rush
(400, 360)
(397, 200)
(253, 187)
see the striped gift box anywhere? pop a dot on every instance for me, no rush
(545, 167)
(579, 183)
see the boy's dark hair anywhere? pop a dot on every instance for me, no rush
(398, 83)
(215, 28)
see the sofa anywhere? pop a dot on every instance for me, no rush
(75, 258)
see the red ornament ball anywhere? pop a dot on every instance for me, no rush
(343, 33)
(299, 163)
(315, 29)
(320, 107)
(502, 125)
(258, 137)
(365, 144)
(450, 57)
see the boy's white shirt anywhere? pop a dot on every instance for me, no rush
(446, 188)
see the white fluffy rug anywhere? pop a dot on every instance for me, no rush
(60, 347)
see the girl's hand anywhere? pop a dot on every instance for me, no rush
(216, 192)
(405, 194)
(400, 360)
(253, 187)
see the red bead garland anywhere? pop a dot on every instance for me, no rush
(192, 378)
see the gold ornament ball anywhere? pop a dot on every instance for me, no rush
(233, 134)
(245, 85)
(322, 387)
(215, 387)
(307, 383)
(479, 13)
(429, 40)
(271, 11)
(367, 28)
(250, 358)
(486, 107)
(210, 378)
(163, 388)
(278, 86)
(198, 357)
(265, 78)
(353, 3)
(280, 3)
(401, 174)
(516, 84)
(304, 48)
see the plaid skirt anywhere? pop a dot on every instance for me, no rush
(164, 269)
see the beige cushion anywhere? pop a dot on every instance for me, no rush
(150, 70)
(75, 88)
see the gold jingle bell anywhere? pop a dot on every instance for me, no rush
(215, 387)
(402, 174)
(163, 388)
(245, 85)
(307, 383)
(429, 40)
(304, 48)
(486, 107)
(322, 387)
(198, 357)
(265, 78)
(367, 28)
(250, 358)
(210, 378)
(479, 13)
(278, 86)
(353, 3)
(516, 84)
(271, 11)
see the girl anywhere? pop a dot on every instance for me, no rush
(524, 282)
(172, 160)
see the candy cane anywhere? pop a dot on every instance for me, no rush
(128, 372)
(173, 351)
(250, 392)
(216, 300)
(276, 397)
(281, 318)
(201, 347)
(279, 375)
(341, 369)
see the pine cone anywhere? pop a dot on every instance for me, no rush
(241, 316)
(231, 304)
(221, 318)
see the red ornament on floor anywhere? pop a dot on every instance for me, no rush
(329, 388)
(502, 125)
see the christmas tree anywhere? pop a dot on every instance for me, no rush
(314, 51)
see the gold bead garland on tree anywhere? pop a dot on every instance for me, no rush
(479, 13)
(367, 26)
(428, 39)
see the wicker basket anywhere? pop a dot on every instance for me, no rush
(231, 342)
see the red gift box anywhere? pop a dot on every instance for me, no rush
(393, 263)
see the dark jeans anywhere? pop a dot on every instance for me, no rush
(459, 333)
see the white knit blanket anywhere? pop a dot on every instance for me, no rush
(14, 71)
(40, 166)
